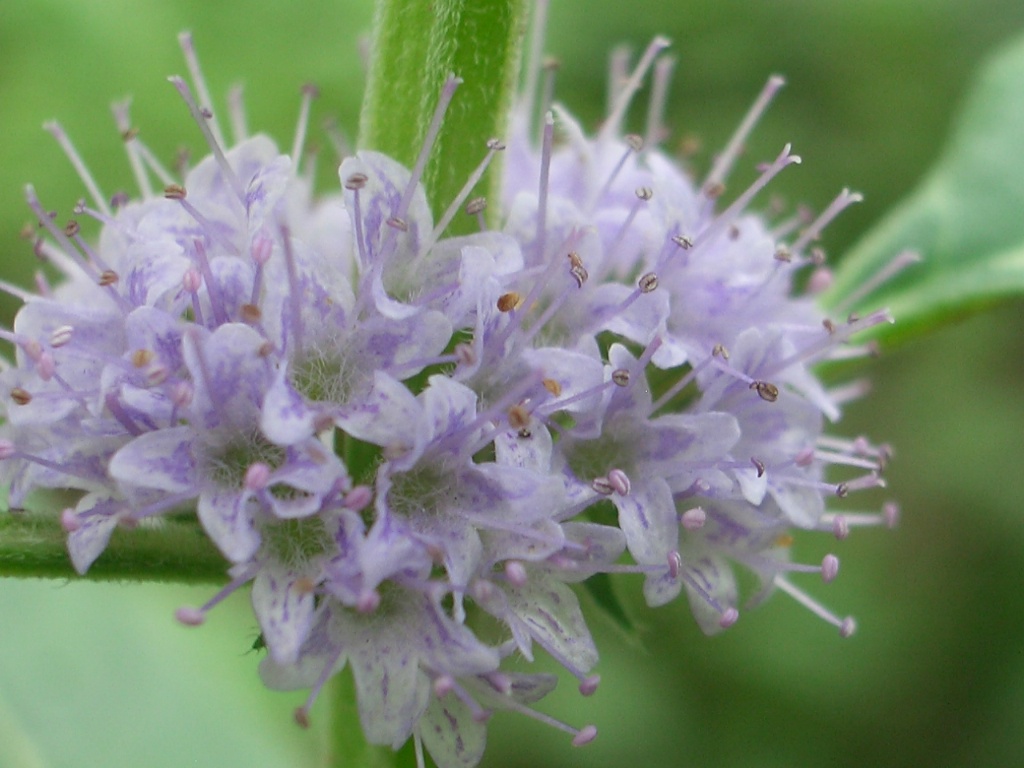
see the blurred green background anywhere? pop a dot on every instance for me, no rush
(100, 675)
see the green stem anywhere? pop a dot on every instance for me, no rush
(417, 45)
(33, 545)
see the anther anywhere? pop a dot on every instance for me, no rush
(301, 716)
(61, 336)
(476, 206)
(586, 735)
(683, 241)
(192, 280)
(142, 357)
(250, 313)
(842, 490)
(368, 601)
(518, 417)
(358, 498)
(644, 193)
(840, 527)
(634, 141)
(108, 277)
(576, 268)
(714, 190)
(175, 192)
(72, 228)
(602, 486)
(766, 390)
(182, 393)
(693, 519)
(262, 248)
(829, 326)
(758, 465)
(588, 686)
(619, 480)
(356, 181)
(509, 301)
(397, 223)
(648, 282)
(552, 386)
(847, 627)
(157, 374)
(620, 377)
(69, 521)
(190, 617)
(728, 618)
(443, 685)
(829, 568)
(257, 476)
(891, 513)
(675, 563)
(21, 396)
(580, 275)
(515, 572)
(820, 280)
(465, 354)
(782, 254)
(719, 350)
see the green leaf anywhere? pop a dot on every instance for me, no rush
(102, 675)
(966, 219)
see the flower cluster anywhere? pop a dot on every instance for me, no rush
(411, 445)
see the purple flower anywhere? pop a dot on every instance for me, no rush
(617, 380)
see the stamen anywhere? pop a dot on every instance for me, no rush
(493, 146)
(547, 142)
(533, 65)
(447, 92)
(309, 92)
(339, 143)
(613, 122)
(845, 626)
(656, 131)
(131, 147)
(634, 144)
(726, 218)
(206, 124)
(725, 161)
(196, 73)
(843, 200)
(236, 113)
(55, 130)
(643, 194)
(900, 262)
(220, 314)
(551, 67)
(294, 299)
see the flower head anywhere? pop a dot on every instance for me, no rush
(617, 380)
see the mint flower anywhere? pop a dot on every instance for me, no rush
(617, 380)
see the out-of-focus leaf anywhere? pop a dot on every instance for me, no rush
(966, 219)
(97, 674)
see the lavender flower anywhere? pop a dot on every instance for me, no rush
(618, 345)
